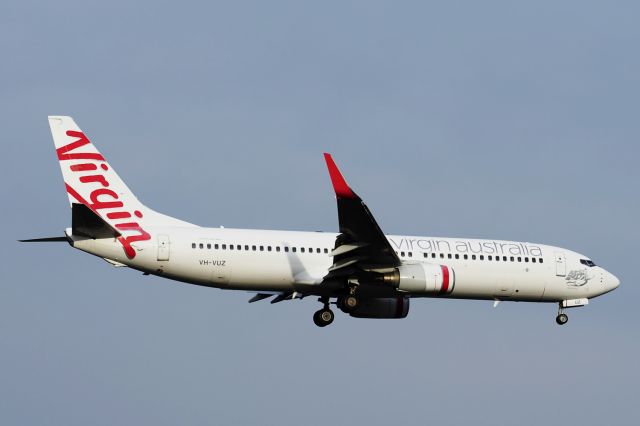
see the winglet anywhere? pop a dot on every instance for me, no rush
(339, 184)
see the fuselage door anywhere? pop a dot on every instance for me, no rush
(561, 264)
(163, 247)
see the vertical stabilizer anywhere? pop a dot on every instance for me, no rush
(90, 180)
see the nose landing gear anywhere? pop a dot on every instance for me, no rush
(562, 319)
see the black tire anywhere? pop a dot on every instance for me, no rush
(323, 317)
(562, 319)
(316, 319)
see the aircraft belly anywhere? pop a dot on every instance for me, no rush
(481, 282)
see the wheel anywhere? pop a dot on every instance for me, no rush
(323, 317)
(351, 303)
(562, 319)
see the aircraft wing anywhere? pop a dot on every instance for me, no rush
(361, 244)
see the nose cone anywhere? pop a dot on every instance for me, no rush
(611, 282)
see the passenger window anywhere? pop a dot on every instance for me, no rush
(201, 246)
(193, 245)
(513, 258)
(261, 248)
(466, 257)
(482, 257)
(208, 246)
(497, 258)
(293, 249)
(425, 254)
(504, 258)
(301, 249)
(286, 249)
(326, 251)
(519, 259)
(268, 248)
(541, 260)
(441, 255)
(433, 255)
(410, 254)
(489, 257)
(277, 248)
(402, 253)
(457, 256)
(310, 250)
(473, 257)
(230, 246)
(253, 248)
(449, 255)
(526, 260)
(224, 247)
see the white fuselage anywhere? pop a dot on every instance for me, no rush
(287, 261)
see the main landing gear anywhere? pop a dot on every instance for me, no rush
(347, 304)
(350, 302)
(324, 316)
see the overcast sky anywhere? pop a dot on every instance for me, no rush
(489, 119)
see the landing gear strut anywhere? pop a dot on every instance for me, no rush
(324, 316)
(350, 302)
(562, 318)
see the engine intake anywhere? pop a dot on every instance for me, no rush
(422, 278)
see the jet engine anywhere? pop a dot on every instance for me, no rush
(422, 278)
(386, 308)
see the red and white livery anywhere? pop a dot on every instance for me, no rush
(364, 272)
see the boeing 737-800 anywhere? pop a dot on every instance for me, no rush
(364, 272)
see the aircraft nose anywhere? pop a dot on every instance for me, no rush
(611, 282)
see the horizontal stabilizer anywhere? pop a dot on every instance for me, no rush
(46, 240)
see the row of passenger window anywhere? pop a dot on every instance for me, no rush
(246, 247)
(286, 249)
(526, 259)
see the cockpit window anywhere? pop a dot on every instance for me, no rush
(587, 262)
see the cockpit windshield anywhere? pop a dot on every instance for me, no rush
(587, 262)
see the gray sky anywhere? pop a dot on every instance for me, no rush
(475, 119)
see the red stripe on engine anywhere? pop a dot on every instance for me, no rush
(445, 279)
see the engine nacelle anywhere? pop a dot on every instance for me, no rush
(422, 278)
(386, 308)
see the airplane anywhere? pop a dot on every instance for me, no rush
(360, 270)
